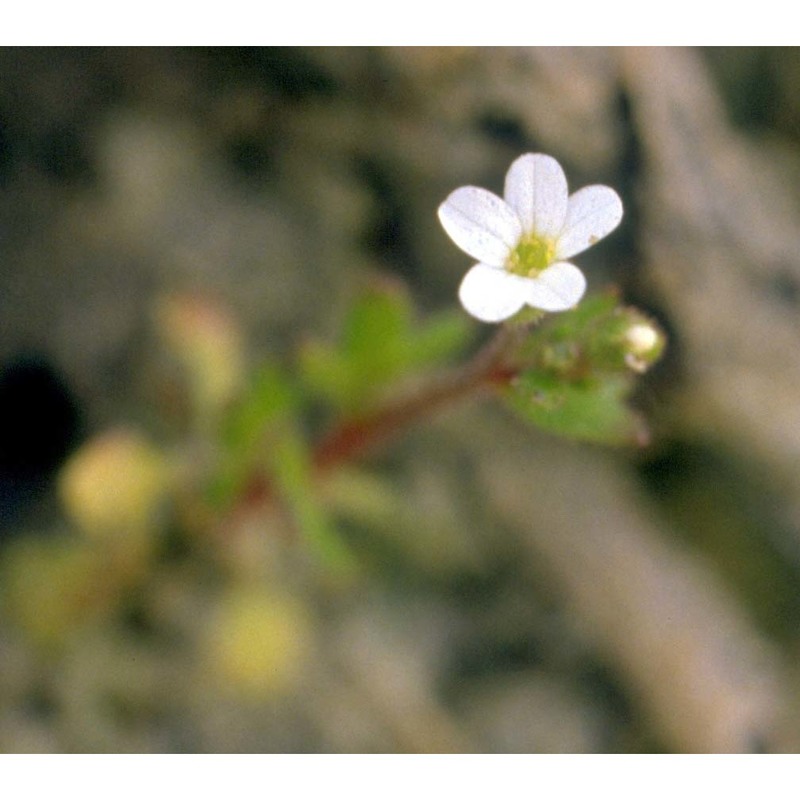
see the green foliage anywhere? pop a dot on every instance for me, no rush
(269, 400)
(579, 370)
(588, 409)
(381, 342)
(570, 376)
(262, 436)
(270, 397)
(292, 472)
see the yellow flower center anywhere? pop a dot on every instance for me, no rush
(531, 256)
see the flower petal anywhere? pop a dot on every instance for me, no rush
(491, 294)
(592, 213)
(557, 288)
(481, 224)
(536, 188)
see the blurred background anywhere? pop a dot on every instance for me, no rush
(171, 219)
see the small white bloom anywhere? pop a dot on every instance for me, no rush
(522, 241)
(641, 338)
(643, 343)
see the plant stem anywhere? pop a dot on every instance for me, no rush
(353, 437)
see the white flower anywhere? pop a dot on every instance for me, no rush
(522, 241)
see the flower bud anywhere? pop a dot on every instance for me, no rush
(643, 343)
(114, 484)
(258, 641)
(207, 343)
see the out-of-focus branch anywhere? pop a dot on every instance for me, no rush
(657, 615)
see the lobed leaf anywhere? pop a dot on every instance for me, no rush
(592, 410)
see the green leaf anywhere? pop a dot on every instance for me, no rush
(438, 338)
(591, 312)
(592, 410)
(575, 327)
(381, 342)
(270, 396)
(327, 373)
(291, 469)
(380, 318)
(375, 341)
(269, 400)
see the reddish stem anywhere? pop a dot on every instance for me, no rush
(353, 437)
